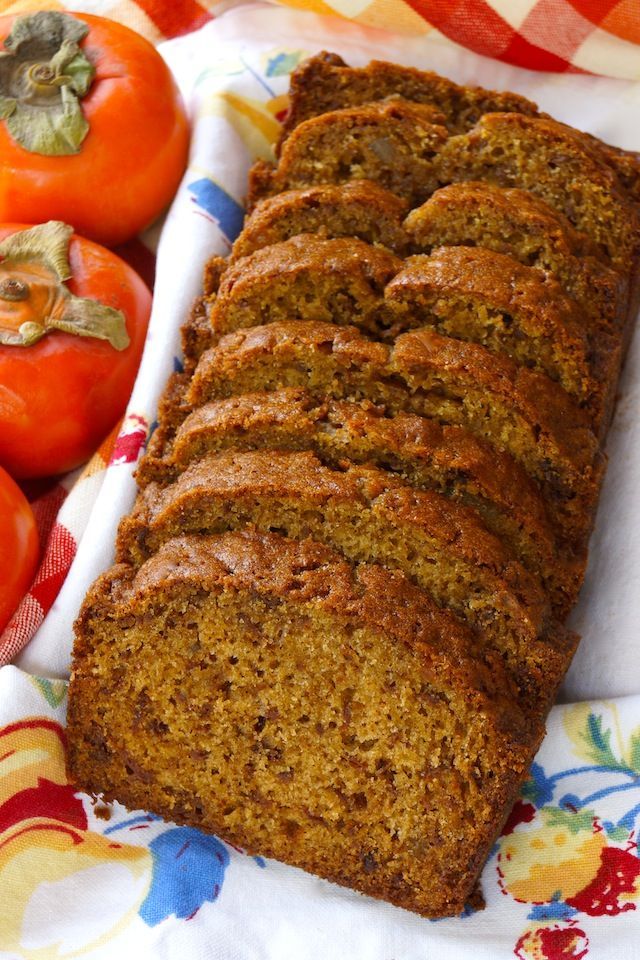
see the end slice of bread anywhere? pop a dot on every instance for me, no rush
(331, 717)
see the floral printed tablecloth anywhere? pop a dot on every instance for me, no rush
(78, 879)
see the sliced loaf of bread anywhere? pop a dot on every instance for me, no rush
(429, 456)
(359, 208)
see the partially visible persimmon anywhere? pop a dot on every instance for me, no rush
(92, 127)
(18, 547)
(73, 320)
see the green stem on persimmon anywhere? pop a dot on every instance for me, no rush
(34, 300)
(43, 76)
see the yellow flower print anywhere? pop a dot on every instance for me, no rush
(50, 862)
(537, 865)
(252, 120)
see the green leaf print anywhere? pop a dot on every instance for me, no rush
(634, 751)
(54, 691)
(617, 833)
(573, 822)
(598, 743)
(283, 63)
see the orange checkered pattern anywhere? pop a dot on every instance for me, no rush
(592, 36)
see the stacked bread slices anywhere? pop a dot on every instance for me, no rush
(337, 620)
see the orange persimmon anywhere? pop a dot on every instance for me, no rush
(18, 547)
(92, 126)
(73, 320)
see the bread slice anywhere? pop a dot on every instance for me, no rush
(425, 454)
(464, 292)
(566, 171)
(518, 411)
(475, 294)
(331, 717)
(517, 223)
(306, 278)
(358, 209)
(370, 517)
(392, 142)
(325, 83)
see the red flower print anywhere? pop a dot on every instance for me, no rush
(617, 876)
(52, 800)
(130, 440)
(566, 942)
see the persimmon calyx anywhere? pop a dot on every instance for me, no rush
(34, 299)
(43, 76)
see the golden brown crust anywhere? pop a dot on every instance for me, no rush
(172, 410)
(555, 421)
(424, 453)
(424, 373)
(392, 143)
(404, 436)
(325, 82)
(468, 293)
(517, 223)
(359, 209)
(196, 333)
(212, 274)
(567, 172)
(305, 571)
(281, 346)
(302, 475)
(511, 210)
(477, 294)
(305, 278)
(371, 517)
